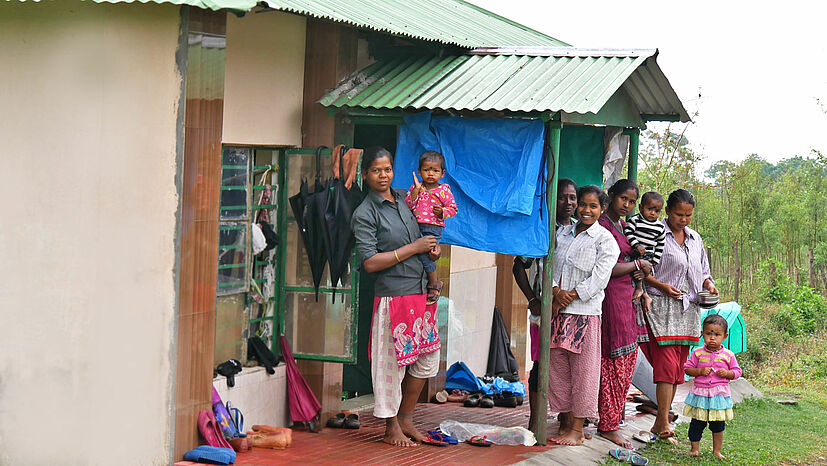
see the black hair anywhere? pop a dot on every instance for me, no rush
(371, 154)
(679, 195)
(621, 186)
(651, 196)
(432, 156)
(715, 319)
(592, 189)
(563, 182)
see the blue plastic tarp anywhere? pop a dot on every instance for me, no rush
(495, 169)
(460, 377)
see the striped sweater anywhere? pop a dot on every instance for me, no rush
(651, 235)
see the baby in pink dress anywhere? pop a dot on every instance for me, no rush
(431, 203)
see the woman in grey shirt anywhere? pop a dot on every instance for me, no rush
(404, 343)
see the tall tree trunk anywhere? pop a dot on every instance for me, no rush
(812, 280)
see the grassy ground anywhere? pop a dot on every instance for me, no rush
(780, 364)
(763, 432)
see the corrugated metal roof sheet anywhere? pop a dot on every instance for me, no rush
(446, 21)
(551, 79)
(237, 5)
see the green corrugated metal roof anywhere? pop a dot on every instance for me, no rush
(446, 21)
(531, 80)
(237, 5)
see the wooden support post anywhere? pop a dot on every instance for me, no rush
(634, 141)
(553, 129)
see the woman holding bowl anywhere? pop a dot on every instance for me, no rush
(674, 318)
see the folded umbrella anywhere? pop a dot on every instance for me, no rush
(304, 406)
(342, 200)
(308, 209)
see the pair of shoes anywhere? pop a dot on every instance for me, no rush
(277, 438)
(440, 397)
(506, 399)
(433, 292)
(457, 396)
(479, 400)
(435, 440)
(628, 456)
(344, 420)
(438, 434)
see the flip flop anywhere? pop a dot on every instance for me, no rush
(434, 440)
(645, 436)
(621, 454)
(479, 441)
(638, 460)
(442, 436)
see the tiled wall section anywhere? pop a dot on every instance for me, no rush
(261, 397)
(471, 306)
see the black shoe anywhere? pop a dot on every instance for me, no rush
(337, 421)
(486, 402)
(505, 400)
(472, 401)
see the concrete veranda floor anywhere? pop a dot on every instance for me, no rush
(364, 446)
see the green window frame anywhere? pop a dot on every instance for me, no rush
(300, 316)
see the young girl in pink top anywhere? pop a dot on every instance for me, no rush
(431, 203)
(713, 366)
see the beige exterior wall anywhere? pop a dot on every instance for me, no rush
(471, 307)
(264, 79)
(88, 100)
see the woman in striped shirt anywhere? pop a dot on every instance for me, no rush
(675, 318)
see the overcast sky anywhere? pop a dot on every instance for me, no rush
(759, 66)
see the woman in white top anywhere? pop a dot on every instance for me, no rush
(583, 261)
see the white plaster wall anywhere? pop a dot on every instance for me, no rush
(88, 102)
(471, 307)
(264, 79)
(262, 398)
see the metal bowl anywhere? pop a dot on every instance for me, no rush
(707, 300)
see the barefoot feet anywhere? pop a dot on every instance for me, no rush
(394, 435)
(615, 437)
(572, 437)
(407, 426)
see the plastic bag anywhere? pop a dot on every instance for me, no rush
(499, 435)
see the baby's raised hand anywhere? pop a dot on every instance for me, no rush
(417, 184)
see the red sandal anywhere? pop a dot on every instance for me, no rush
(479, 441)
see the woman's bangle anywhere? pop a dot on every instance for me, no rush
(637, 264)
(397, 256)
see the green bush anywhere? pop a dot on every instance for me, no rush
(777, 287)
(805, 312)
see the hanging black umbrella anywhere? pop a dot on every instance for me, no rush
(341, 202)
(308, 209)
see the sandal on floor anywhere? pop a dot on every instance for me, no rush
(621, 454)
(645, 436)
(479, 441)
(442, 437)
(434, 440)
(433, 292)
